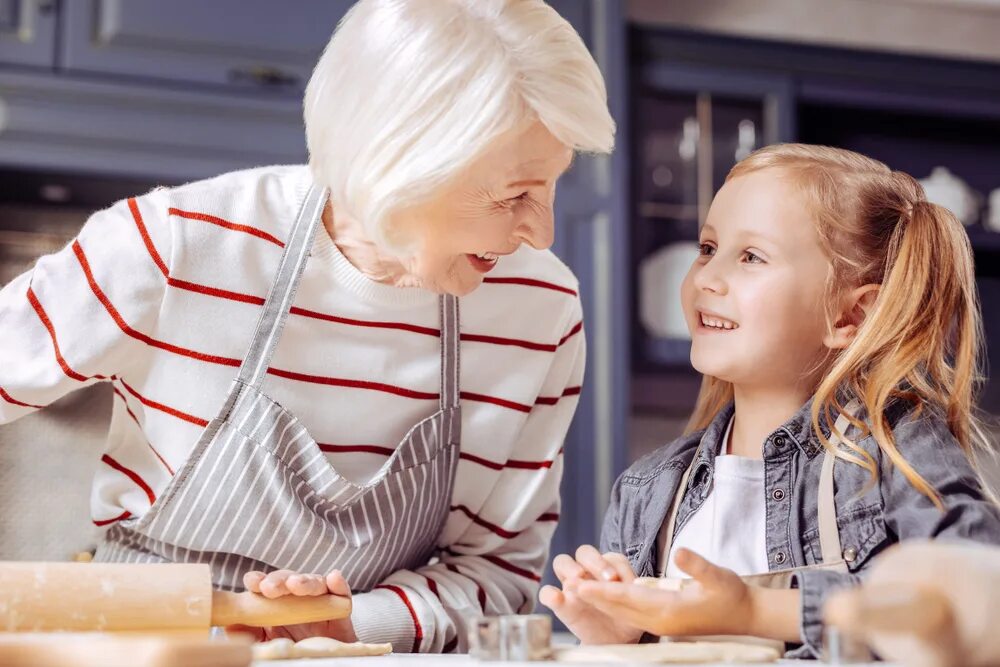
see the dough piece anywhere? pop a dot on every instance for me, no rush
(276, 649)
(673, 652)
(671, 584)
(326, 647)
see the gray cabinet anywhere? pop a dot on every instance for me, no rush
(27, 32)
(234, 43)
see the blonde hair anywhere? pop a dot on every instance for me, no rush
(921, 340)
(409, 92)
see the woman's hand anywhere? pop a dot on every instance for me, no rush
(717, 602)
(285, 582)
(588, 623)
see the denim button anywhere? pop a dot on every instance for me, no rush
(779, 441)
(850, 554)
(779, 557)
(778, 494)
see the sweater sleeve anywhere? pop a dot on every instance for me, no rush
(495, 567)
(69, 321)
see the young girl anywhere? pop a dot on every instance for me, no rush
(834, 316)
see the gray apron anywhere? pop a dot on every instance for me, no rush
(257, 493)
(829, 533)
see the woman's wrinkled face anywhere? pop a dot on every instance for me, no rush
(503, 199)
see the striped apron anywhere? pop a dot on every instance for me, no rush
(257, 493)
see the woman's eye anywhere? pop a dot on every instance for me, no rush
(706, 249)
(752, 258)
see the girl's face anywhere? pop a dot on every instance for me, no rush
(754, 300)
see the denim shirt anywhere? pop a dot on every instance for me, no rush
(870, 517)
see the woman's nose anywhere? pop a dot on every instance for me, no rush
(538, 230)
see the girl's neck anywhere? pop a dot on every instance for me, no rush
(759, 411)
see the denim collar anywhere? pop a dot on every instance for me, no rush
(798, 429)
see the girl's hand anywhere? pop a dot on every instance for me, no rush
(285, 582)
(718, 602)
(588, 623)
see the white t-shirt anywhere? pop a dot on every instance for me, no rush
(729, 529)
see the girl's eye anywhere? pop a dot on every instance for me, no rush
(752, 258)
(706, 249)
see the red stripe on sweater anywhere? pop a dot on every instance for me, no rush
(552, 400)
(499, 530)
(417, 629)
(13, 401)
(134, 207)
(433, 586)
(138, 335)
(502, 402)
(215, 291)
(480, 592)
(510, 463)
(572, 332)
(204, 217)
(136, 420)
(164, 408)
(510, 567)
(530, 282)
(350, 449)
(355, 384)
(47, 323)
(131, 474)
(105, 522)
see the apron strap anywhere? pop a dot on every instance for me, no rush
(450, 342)
(272, 320)
(829, 534)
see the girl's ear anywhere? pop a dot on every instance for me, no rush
(854, 309)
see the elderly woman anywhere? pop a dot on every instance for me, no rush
(297, 387)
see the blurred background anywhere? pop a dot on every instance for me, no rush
(103, 99)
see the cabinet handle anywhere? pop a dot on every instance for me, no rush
(271, 77)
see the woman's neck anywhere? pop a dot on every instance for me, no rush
(351, 239)
(759, 411)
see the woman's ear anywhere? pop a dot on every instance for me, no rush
(854, 309)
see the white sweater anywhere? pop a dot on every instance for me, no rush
(159, 295)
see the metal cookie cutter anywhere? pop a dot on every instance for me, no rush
(511, 637)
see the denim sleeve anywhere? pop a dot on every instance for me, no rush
(934, 453)
(814, 586)
(968, 514)
(611, 530)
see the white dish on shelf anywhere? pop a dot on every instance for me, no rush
(660, 278)
(944, 188)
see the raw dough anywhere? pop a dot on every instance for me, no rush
(276, 649)
(316, 647)
(671, 584)
(673, 652)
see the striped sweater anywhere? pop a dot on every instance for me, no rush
(159, 295)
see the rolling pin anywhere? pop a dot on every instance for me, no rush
(43, 597)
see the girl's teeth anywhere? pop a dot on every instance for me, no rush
(488, 256)
(716, 323)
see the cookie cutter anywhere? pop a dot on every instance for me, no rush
(511, 638)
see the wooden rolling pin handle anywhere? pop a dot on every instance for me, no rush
(258, 611)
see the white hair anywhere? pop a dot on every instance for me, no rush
(408, 92)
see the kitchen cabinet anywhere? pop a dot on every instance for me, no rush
(248, 44)
(27, 32)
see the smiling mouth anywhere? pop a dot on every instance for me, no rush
(716, 323)
(483, 263)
